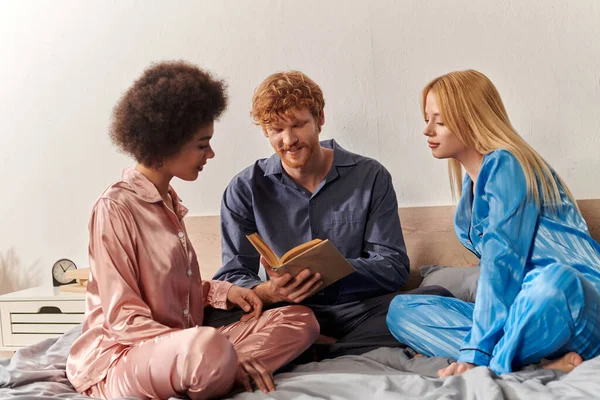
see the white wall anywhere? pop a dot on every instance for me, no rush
(64, 64)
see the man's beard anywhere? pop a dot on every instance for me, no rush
(308, 149)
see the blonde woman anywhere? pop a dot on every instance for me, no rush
(539, 289)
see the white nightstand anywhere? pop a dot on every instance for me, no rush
(29, 316)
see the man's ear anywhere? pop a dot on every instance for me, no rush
(321, 121)
(265, 132)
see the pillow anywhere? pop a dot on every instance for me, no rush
(460, 281)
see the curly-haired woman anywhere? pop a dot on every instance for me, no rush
(143, 335)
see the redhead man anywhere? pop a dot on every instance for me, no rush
(310, 189)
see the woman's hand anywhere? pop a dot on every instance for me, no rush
(455, 369)
(253, 370)
(247, 300)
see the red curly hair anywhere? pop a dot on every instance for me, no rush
(283, 93)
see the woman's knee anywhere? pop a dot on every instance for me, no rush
(303, 317)
(557, 272)
(553, 283)
(207, 348)
(405, 302)
(401, 308)
(557, 289)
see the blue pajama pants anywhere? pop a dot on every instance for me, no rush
(556, 311)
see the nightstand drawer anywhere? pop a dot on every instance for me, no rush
(73, 318)
(41, 328)
(28, 322)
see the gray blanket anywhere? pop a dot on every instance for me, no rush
(38, 372)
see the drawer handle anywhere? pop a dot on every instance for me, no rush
(49, 310)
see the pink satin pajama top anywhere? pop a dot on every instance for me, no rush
(145, 279)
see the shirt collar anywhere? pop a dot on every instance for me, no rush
(341, 158)
(148, 192)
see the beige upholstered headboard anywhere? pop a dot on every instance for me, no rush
(428, 233)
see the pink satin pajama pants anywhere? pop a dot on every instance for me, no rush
(201, 362)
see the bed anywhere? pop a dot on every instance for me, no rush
(38, 371)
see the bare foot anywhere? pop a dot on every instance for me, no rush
(566, 363)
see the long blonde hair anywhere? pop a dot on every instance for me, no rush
(473, 110)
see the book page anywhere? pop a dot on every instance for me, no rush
(323, 258)
(298, 250)
(263, 249)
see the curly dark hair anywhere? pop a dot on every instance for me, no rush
(164, 108)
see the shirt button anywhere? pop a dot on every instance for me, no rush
(181, 234)
(189, 272)
(186, 311)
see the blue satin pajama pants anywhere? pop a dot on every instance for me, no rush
(556, 311)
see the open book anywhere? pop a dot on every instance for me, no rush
(317, 255)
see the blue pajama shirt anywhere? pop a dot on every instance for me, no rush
(355, 207)
(538, 294)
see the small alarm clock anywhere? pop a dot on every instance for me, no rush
(59, 270)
